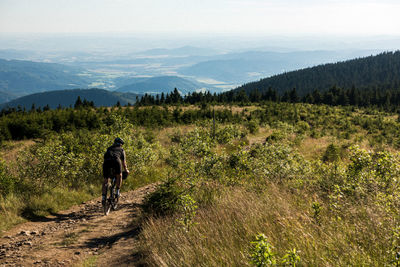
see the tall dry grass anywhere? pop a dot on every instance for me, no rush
(223, 232)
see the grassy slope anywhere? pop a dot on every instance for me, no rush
(224, 231)
(361, 233)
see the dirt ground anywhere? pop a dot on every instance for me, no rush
(80, 236)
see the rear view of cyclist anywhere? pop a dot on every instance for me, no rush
(114, 161)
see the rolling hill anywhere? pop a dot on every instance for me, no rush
(20, 78)
(161, 84)
(67, 98)
(381, 72)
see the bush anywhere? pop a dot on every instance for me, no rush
(165, 199)
(228, 133)
(332, 153)
(275, 137)
(253, 126)
(302, 127)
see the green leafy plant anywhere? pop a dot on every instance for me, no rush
(187, 208)
(261, 252)
(316, 206)
(291, 258)
(395, 248)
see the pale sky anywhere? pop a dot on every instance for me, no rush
(290, 17)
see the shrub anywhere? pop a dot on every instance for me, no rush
(253, 126)
(187, 208)
(228, 133)
(261, 252)
(291, 258)
(275, 137)
(302, 127)
(165, 199)
(332, 153)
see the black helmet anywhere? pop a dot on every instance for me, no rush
(118, 141)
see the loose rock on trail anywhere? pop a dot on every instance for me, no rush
(80, 235)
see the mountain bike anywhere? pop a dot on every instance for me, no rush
(112, 200)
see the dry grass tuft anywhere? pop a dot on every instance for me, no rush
(312, 148)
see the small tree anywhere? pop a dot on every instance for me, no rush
(78, 102)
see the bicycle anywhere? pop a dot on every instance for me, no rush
(112, 200)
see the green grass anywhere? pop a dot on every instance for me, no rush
(54, 201)
(10, 209)
(15, 209)
(89, 262)
(69, 239)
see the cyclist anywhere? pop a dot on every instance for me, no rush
(114, 160)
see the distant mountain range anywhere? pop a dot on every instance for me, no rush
(67, 98)
(251, 65)
(220, 70)
(18, 78)
(162, 84)
(374, 72)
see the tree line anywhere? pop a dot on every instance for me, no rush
(389, 100)
(18, 124)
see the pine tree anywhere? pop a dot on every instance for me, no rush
(78, 102)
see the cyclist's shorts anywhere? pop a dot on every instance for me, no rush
(111, 168)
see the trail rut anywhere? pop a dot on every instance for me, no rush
(79, 236)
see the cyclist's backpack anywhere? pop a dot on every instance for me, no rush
(113, 153)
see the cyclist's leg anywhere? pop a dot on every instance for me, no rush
(104, 191)
(107, 173)
(118, 176)
(118, 182)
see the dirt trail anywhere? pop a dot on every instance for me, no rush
(79, 236)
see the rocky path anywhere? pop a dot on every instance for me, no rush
(80, 236)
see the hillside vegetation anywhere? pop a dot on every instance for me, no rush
(274, 183)
(373, 72)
